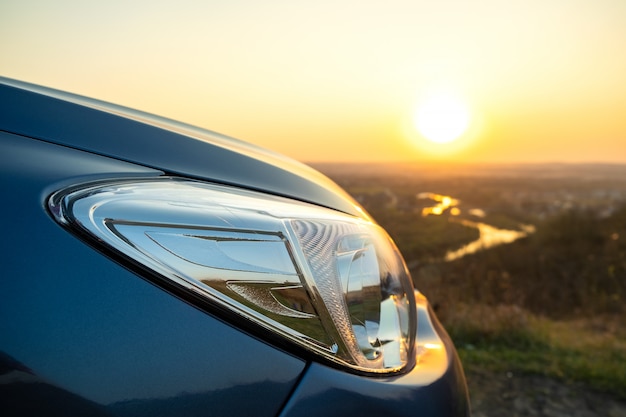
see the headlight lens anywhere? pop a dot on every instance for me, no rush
(327, 281)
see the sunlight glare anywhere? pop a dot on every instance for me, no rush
(442, 117)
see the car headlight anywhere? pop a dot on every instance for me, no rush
(327, 281)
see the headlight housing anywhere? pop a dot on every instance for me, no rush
(330, 282)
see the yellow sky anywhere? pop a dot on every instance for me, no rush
(545, 80)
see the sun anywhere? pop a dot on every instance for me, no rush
(442, 117)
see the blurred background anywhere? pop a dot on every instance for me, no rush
(343, 80)
(488, 137)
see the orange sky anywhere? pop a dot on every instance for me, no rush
(545, 81)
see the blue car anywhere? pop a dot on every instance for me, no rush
(151, 268)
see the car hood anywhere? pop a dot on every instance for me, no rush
(172, 147)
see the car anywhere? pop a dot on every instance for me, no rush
(152, 268)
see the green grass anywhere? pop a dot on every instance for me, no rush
(590, 352)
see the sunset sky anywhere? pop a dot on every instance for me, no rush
(540, 80)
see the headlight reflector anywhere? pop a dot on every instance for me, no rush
(327, 281)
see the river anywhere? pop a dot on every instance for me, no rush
(489, 236)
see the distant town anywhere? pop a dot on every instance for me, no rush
(534, 191)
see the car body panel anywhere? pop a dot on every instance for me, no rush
(74, 323)
(87, 334)
(166, 145)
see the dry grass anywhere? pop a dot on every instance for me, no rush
(507, 338)
(507, 325)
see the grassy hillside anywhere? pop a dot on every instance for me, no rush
(551, 303)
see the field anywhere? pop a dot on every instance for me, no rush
(547, 299)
